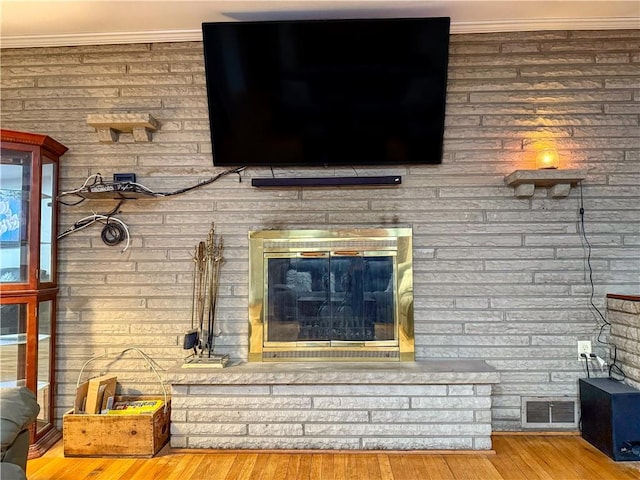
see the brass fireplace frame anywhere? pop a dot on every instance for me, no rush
(397, 241)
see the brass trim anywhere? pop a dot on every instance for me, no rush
(396, 241)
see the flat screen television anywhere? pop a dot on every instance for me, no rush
(327, 92)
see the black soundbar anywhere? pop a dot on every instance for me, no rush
(327, 181)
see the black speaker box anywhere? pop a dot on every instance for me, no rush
(388, 180)
(611, 417)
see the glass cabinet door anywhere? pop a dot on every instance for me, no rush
(47, 218)
(16, 353)
(13, 344)
(43, 393)
(15, 188)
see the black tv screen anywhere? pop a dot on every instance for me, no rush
(327, 92)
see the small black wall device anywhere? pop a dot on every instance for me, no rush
(611, 417)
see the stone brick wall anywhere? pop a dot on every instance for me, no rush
(624, 315)
(496, 277)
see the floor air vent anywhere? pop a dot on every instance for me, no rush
(550, 413)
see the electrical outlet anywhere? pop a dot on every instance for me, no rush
(584, 346)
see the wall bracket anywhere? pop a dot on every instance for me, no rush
(557, 181)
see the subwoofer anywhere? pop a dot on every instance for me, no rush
(611, 417)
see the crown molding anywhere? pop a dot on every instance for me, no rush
(541, 24)
(159, 36)
(76, 39)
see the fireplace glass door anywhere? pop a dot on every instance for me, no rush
(331, 295)
(330, 298)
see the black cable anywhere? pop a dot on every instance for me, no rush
(592, 291)
(204, 182)
(614, 366)
(80, 200)
(110, 232)
(122, 188)
(586, 362)
(76, 226)
(113, 234)
(115, 209)
(605, 323)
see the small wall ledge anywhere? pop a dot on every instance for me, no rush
(557, 181)
(109, 126)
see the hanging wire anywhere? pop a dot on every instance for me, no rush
(147, 358)
(592, 291)
(114, 232)
(133, 187)
(600, 318)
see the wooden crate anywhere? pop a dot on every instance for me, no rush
(136, 435)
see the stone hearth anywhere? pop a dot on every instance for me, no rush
(359, 405)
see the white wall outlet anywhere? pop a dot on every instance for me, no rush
(584, 346)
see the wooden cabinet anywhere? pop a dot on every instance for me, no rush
(28, 283)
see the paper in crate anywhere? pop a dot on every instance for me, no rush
(95, 395)
(135, 407)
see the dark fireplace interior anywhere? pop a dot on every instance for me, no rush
(325, 298)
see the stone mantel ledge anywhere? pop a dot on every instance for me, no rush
(427, 372)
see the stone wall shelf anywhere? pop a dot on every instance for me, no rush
(110, 125)
(557, 181)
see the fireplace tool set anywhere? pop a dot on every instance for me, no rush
(207, 260)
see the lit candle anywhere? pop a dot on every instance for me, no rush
(547, 158)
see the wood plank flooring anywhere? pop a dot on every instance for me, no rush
(517, 457)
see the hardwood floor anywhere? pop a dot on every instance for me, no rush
(517, 457)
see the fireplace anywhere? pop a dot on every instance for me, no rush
(331, 357)
(319, 295)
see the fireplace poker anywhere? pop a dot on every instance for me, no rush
(201, 269)
(217, 260)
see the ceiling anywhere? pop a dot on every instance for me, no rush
(27, 23)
